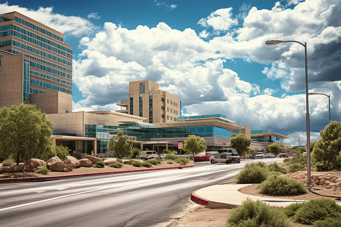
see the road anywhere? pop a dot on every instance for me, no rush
(127, 199)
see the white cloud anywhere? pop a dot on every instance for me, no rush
(64, 24)
(173, 6)
(268, 91)
(302, 135)
(94, 15)
(165, 4)
(204, 34)
(219, 20)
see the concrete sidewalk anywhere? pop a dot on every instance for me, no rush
(228, 196)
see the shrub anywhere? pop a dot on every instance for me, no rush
(119, 160)
(252, 213)
(43, 170)
(99, 164)
(136, 151)
(276, 168)
(287, 160)
(322, 167)
(260, 164)
(295, 168)
(328, 222)
(77, 155)
(171, 157)
(184, 161)
(159, 160)
(252, 174)
(274, 174)
(8, 162)
(136, 163)
(277, 185)
(116, 165)
(61, 151)
(170, 162)
(291, 209)
(154, 162)
(146, 164)
(317, 209)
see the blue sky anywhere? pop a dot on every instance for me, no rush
(209, 53)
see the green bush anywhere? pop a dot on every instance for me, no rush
(252, 213)
(260, 164)
(301, 161)
(170, 162)
(295, 168)
(8, 162)
(287, 160)
(77, 155)
(61, 151)
(184, 161)
(146, 164)
(322, 167)
(99, 164)
(159, 160)
(276, 168)
(136, 151)
(154, 162)
(44, 170)
(317, 209)
(328, 222)
(274, 174)
(171, 157)
(291, 209)
(136, 163)
(252, 173)
(119, 160)
(116, 165)
(277, 185)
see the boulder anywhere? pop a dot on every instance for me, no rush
(71, 162)
(55, 164)
(33, 163)
(19, 168)
(93, 159)
(108, 162)
(6, 169)
(66, 170)
(128, 162)
(85, 162)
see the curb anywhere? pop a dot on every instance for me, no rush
(210, 204)
(9, 180)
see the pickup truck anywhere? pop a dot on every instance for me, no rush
(227, 155)
(259, 155)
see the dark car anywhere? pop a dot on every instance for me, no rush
(225, 155)
(283, 155)
(203, 156)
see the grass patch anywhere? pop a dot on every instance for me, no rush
(44, 170)
(169, 162)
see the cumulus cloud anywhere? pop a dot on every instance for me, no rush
(165, 4)
(65, 24)
(220, 19)
(204, 34)
(94, 16)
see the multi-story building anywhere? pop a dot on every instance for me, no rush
(145, 99)
(36, 65)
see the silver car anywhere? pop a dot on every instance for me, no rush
(145, 155)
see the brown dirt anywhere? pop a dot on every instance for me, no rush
(83, 170)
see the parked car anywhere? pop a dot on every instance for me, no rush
(283, 155)
(203, 156)
(145, 155)
(224, 155)
(270, 155)
(259, 155)
(162, 156)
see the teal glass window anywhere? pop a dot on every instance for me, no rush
(131, 104)
(150, 107)
(141, 106)
(26, 87)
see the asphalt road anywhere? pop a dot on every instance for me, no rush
(128, 199)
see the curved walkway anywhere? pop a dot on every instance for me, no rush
(228, 196)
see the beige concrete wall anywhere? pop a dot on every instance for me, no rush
(169, 98)
(52, 102)
(68, 122)
(64, 102)
(11, 80)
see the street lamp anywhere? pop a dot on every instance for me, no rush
(274, 42)
(328, 98)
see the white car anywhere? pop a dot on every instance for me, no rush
(162, 156)
(260, 155)
(145, 155)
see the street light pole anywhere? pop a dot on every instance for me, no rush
(328, 98)
(274, 42)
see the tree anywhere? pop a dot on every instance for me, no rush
(121, 145)
(194, 145)
(240, 142)
(274, 148)
(25, 132)
(326, 150)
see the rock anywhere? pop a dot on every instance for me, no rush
(108, 162)
(128, 162)
(66, 170)
(18, 168)
(55, 164)
(317, 182)
(7, 169)
(33, 163)
(85, 162)
(326, 183)
(93, 159)
(314, 177)
(328, 186)
(322, 182)
(71, 162)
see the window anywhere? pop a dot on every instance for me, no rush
(171, 102)
(167, 109)
(162, 116)
(171, 118)
(167, 117)
(167, 100)
(171, 110)
(162, 108)
(174, 118)
(162, 99)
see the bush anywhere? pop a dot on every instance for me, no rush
(291, 209)
(170, 162)
(77, 155)
(328, 222)
(44, 170)
(136, 163)
(277, 185)
(252, 173)
(317, 209)
(136, 151)
(301, 161)
(322, 167)
(116, 165)
(184, 161)
(99, 164)
(287, 160)
(252, 213)
(159, 160)
(154, 162)
(171, 157)
(8, 162)
(119, 160)
(146, 164)
(274, 174)
(295, 168)
(61, 151)
(260, 164)
(276, 168)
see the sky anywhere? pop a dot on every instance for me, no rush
(211, 54)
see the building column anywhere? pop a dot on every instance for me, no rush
(141, 146)
(54, 142)
(166, 146)
(95, 146)
(153, 147)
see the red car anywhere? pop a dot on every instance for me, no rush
(203, 156)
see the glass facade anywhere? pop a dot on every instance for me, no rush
(150, 107)
(141, 106)
(131, 105)
(201, 116)
(49, 86)
(26, 88)
(101, 132)
(142, 88)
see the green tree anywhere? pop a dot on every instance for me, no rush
(241, 143)
(121, 145)
(194, 145)
(25, 132)
(327, 149)
(274, 148)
